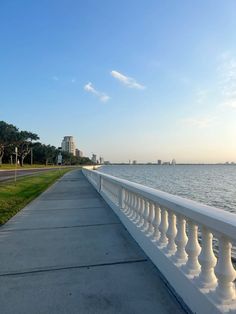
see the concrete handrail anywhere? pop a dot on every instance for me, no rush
(167, 227)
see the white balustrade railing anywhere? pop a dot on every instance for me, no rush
(168, 228)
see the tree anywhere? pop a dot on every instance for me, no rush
(24, 144)
(44, 154)
(84, 161)
(50, 153)
(11, 137)
(67, 158)
(8, 134)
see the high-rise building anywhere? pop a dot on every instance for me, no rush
(159, 162)
(68, 144)
(94, 158)
(101, 160)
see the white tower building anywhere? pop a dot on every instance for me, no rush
(68, 144)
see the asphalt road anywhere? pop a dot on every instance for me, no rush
(10, 174)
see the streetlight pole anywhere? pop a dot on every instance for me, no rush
(31, 156)
(16, 152)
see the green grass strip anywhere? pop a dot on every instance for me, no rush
(26, 166)
(13, 197)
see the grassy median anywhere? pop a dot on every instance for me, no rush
(13, 197)
(26, 166)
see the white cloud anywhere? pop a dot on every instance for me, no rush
(90, 89)
(128, 81)
(203, 122)
(104, 97)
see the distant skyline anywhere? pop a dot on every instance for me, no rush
(129, 80)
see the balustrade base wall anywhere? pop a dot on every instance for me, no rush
(185, 286)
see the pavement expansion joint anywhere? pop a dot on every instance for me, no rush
(72, 208)
(88, 266)
(71, 180)
(64, 199)
(60, 227)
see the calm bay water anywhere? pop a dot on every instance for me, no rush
(213, 185)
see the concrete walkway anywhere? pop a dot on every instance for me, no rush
(67, 252)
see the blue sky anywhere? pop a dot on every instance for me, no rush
(142, 80)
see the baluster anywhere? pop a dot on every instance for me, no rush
(181, 239)
(129, 214)
(207, 260)
(156, 223)
(133, 207)
(119, 195)
(101, 183)
(125, 201)
(137, 216)
(225, 272)
(145, 216)
(142, 212)
(134, 216)
(149, 231)
(163, 228)
(137, 219)
(171, 233)
(193, 250)
(121, 198)
(128, 203)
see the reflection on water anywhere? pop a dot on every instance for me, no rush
(213, 185)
